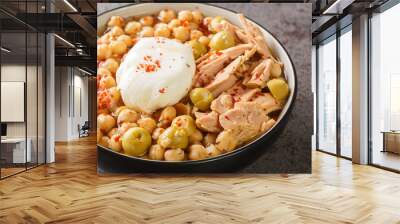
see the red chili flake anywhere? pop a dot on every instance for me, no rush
(219, 53)
(150, 68)
(162, 90)
(226, 117)
(158, 63)
(185, 23)
(117, 137)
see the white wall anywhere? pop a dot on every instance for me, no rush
(70, 84)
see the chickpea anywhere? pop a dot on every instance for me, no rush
(166, 15)
(105, 122)
(184, 122)
(174, 23)
(226, 141)
(104, 141)
(276, 70)
(111, 64)
(115, 143)
(112, 132)
(174, 155)
(196, 137)
(118, 110)
(118, 47)
(115, 94)
(127, 115)
(103, 72)
(207, 21)
(147, 31)
(107, 82)
(193, 26)
(103, 101)
(133, 27)
(168, 114)
(103, 51)
(99, 135)
(162, 30)
(173, 138)
(147, 123)
(212, 151)
(147, 20)
(197, 152)
(196, 34)
(136, 141)
(156, 152)
(181, 33)
(216, 24)
(125, 127)
(185, 15)
(182, 109)
(157, 132)
(116, 21)
(209, 139)
(204, 40)
(197, 17)
(116, 31)
(104, 39)
(126, 39)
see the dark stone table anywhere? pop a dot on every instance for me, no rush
(291, 24)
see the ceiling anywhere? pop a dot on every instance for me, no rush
(72, 20)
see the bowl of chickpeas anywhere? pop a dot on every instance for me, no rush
(243, 88)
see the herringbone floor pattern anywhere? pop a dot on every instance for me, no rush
(70, 191)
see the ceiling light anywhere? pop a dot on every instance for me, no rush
(64, 40)
(70, 5)
(337, 7)
(84, 71)
(5, 50)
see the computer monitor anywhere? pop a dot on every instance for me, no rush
(3, 129)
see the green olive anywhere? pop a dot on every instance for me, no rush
(185, 122)
(279, 88)
(201, 98)
(174, 138)
(198, 48)
(136, 141)
(222, 40)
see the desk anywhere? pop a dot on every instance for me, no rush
(391, 141)
(17, 148)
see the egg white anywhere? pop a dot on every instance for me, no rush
(167, 85)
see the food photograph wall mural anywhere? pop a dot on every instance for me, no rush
(204, 88)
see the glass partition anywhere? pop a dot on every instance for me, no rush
(346, 92)
(385, 89)
(15, 150)
(326, 60)
(22, 90)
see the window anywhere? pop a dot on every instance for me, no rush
(385, 88)
(346, 92)
(327, 96)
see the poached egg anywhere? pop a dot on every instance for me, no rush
(155, 73)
